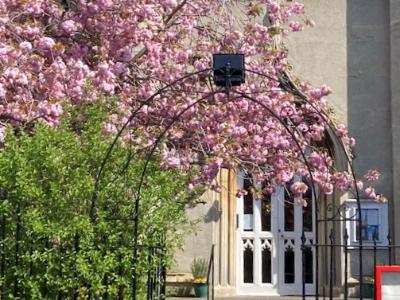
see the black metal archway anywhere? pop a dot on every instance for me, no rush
(227, 73)
(226, 76)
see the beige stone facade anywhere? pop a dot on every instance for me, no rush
(355, 49)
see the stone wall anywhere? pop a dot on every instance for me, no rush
(355, 49)
(199, 242)
(349, 49)
(395, 111)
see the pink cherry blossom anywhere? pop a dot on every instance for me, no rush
(45, 43)
(298, 8)
(190, 187)
(25, 45)
(170, 3)
(268, 189)
(302, 202)
(241, 193)
(69, 26)
(360, 184)
(298, 188)
(123, 53)
(327, 188)
(372, 175)
(295, 26)
(343, 181)
(370, 193)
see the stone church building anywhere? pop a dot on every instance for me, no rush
(355, 49)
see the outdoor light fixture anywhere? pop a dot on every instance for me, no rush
(228, 70)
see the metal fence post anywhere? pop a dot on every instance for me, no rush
(303, 264)
(346, 275)
(389, 238)
(164, 278)
(17, 248)
(374, 238)
(3, 256)
(120, 271)
(60, 270)
(149, 275)
(213, 274)
(332, 240)
(46, 248)
(76, 250)
(105, 279)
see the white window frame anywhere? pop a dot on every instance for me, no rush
(383, 217)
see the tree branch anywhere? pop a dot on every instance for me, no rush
(174, 12)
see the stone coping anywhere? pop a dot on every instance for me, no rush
(179, 278)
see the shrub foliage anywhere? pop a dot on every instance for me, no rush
(51, 245)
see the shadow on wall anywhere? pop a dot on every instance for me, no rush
(213, 213)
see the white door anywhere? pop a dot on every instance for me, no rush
(269, 229)
(291, 220)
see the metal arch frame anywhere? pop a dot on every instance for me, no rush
(294, 138)
(141, 181)
(350, 165)
(327, 121)
(133, 114)
(149, 155)
(162, 134)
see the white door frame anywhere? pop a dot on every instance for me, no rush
(257, 236)
(275, 241)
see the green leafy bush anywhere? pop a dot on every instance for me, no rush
(59, 240)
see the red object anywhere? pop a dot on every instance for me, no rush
(378, 278)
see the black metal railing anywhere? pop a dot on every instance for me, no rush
(211, 273)
(344, 248)
(19, 266)
(157, 274)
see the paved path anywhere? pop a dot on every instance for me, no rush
(257, 298)
(254, 298)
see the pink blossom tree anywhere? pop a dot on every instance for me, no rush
(54, 53)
